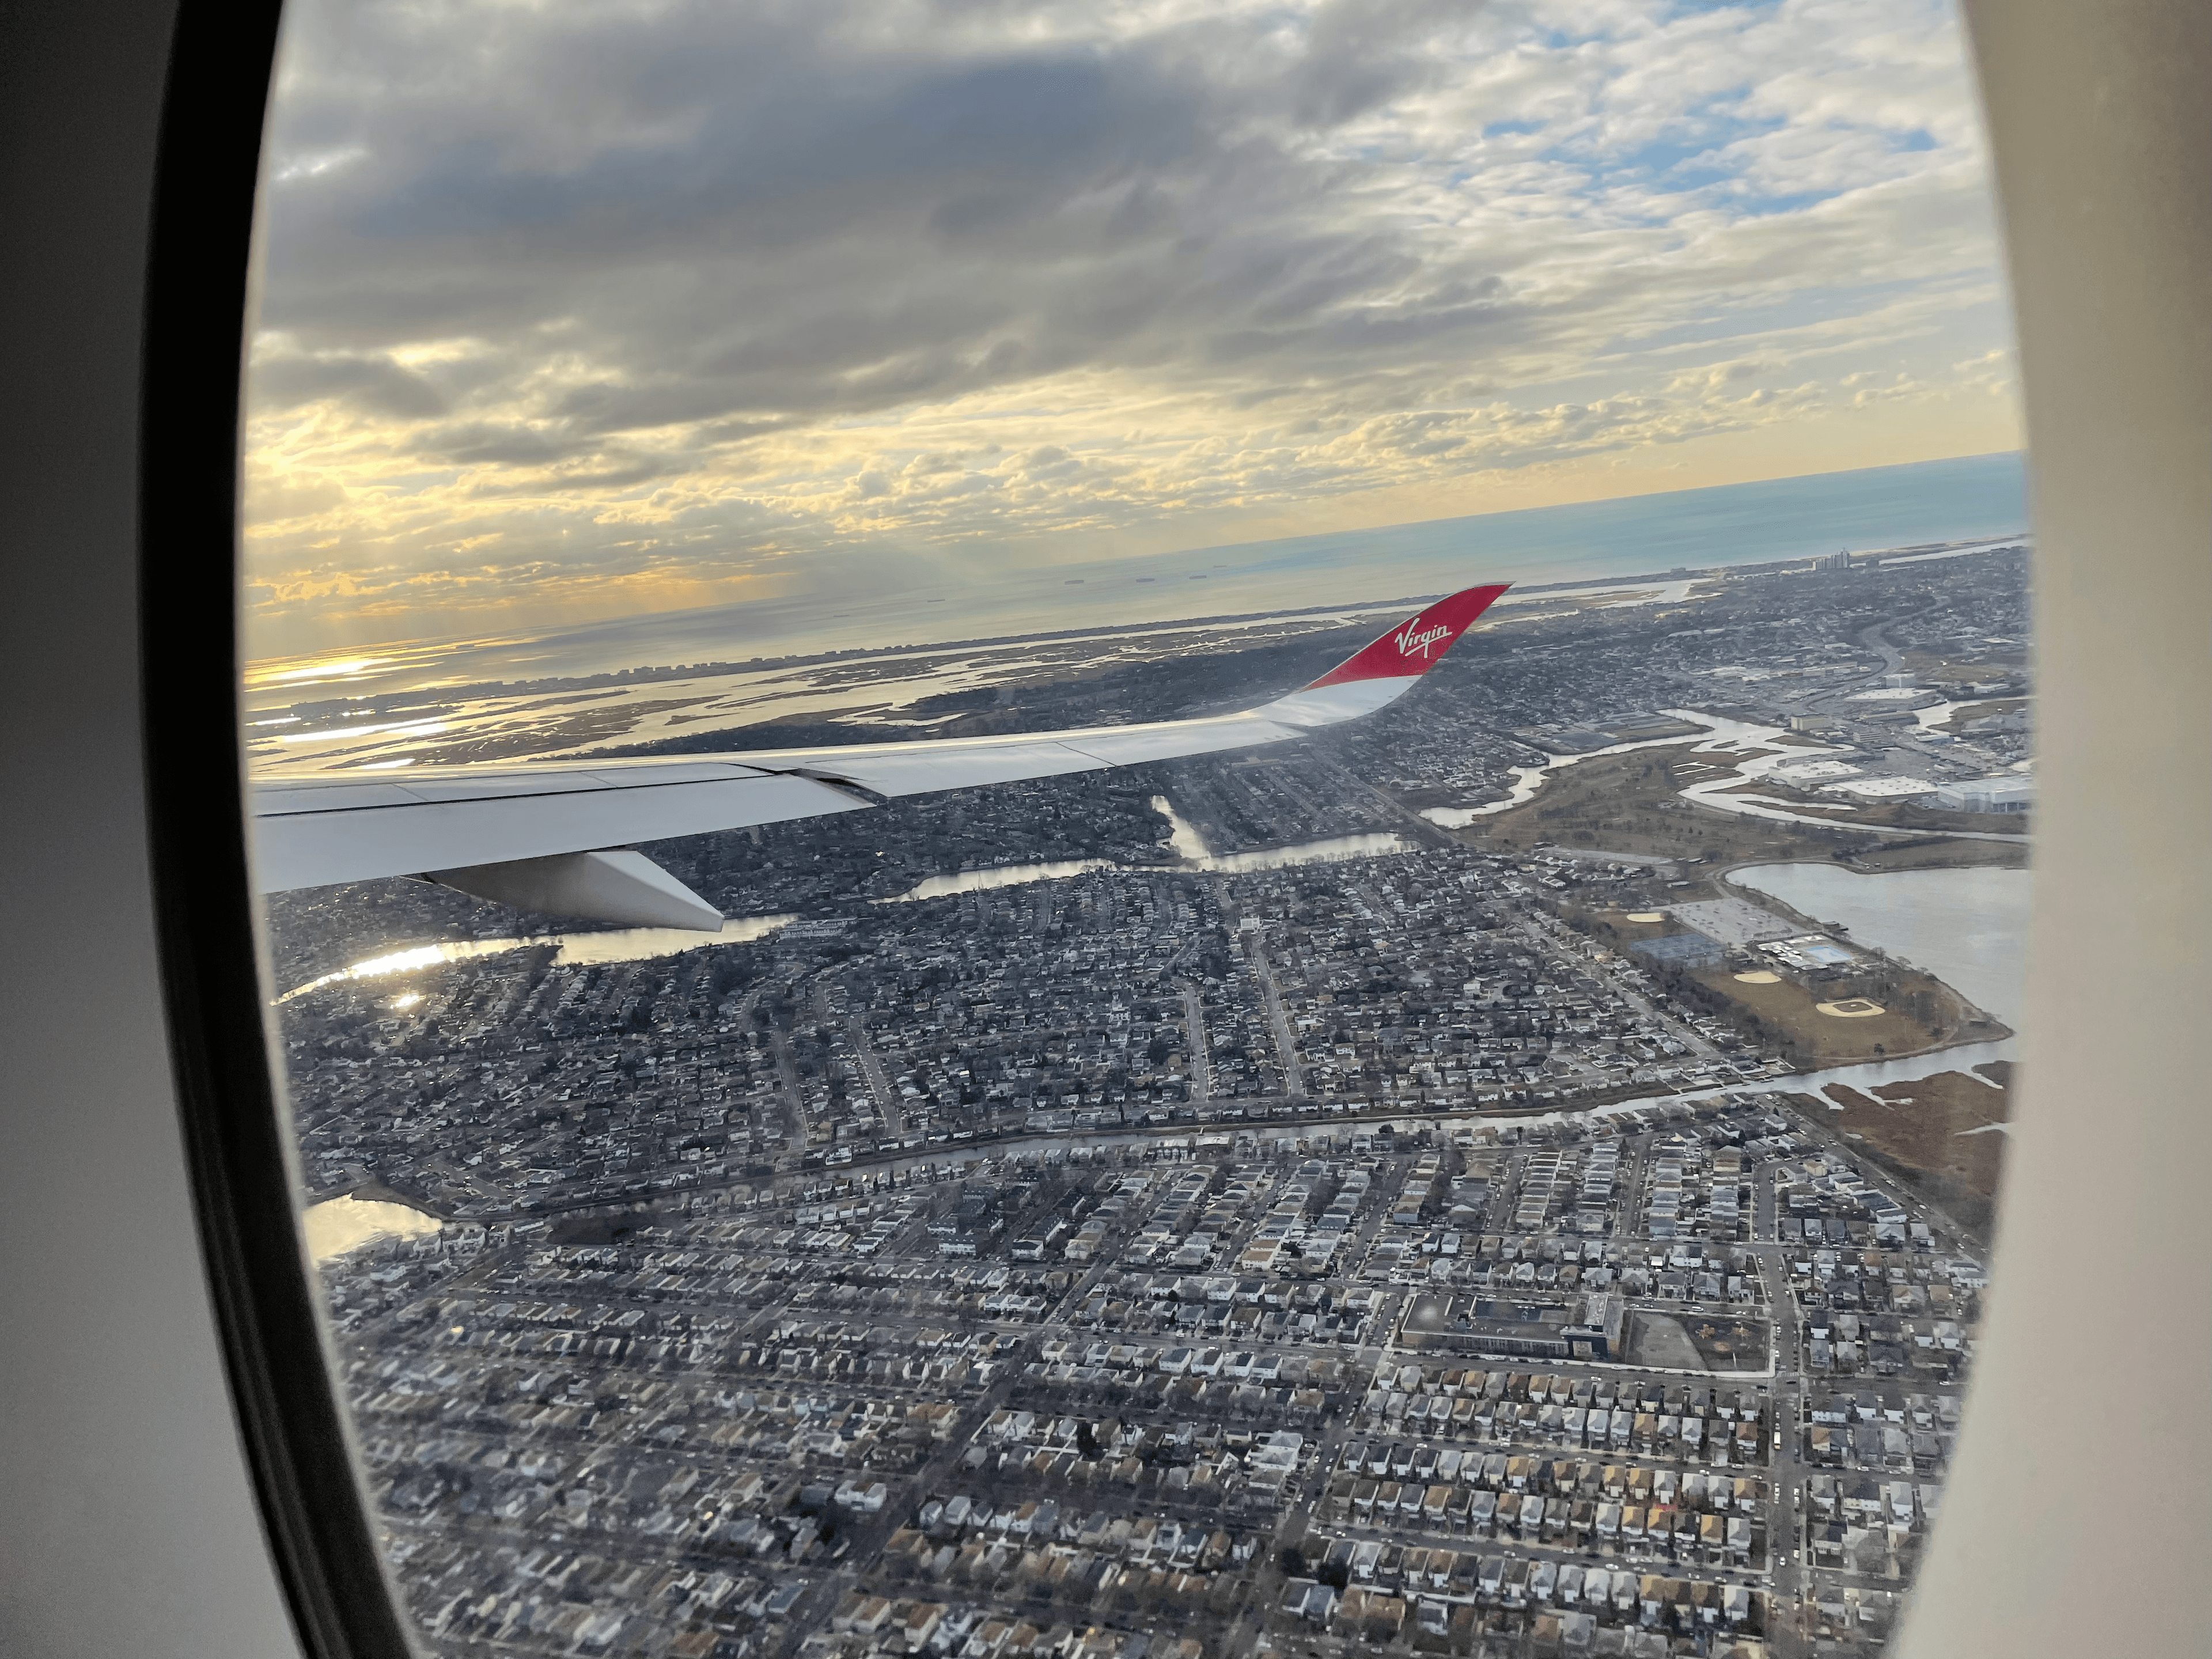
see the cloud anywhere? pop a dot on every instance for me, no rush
(678, 292)
(370, 382)
(274, 500)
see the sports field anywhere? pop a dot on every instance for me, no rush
(1827, 1031)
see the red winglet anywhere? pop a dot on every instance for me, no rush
(1416, 646)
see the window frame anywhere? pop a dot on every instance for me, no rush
(294, 1431)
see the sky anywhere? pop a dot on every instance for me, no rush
(577, 311)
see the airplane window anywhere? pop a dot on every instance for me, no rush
(1140, 830)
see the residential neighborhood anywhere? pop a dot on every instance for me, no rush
(1400, 1192)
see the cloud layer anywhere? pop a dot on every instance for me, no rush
(577, 310)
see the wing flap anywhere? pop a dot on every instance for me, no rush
(628, 888)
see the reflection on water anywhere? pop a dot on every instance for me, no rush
(400, 962)
(617, 944)
(981, 881)
(1968, 928)
(1191, 847)
(1371, 845)
(1182, 834)
(338, 1225)
(637, 944)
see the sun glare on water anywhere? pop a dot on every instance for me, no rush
(339, 1225)
(332, 668)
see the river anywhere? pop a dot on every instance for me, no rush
(642, 943)
(1182, 834)
(1001, 875)
(1191, 849)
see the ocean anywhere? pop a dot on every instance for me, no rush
(1972, 498)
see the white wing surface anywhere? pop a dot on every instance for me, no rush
(538, 835)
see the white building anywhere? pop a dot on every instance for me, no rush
(1885, 788)
(1997, 795)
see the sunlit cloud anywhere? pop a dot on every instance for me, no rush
(577, 312)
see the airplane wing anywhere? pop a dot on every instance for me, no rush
(542, 837)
